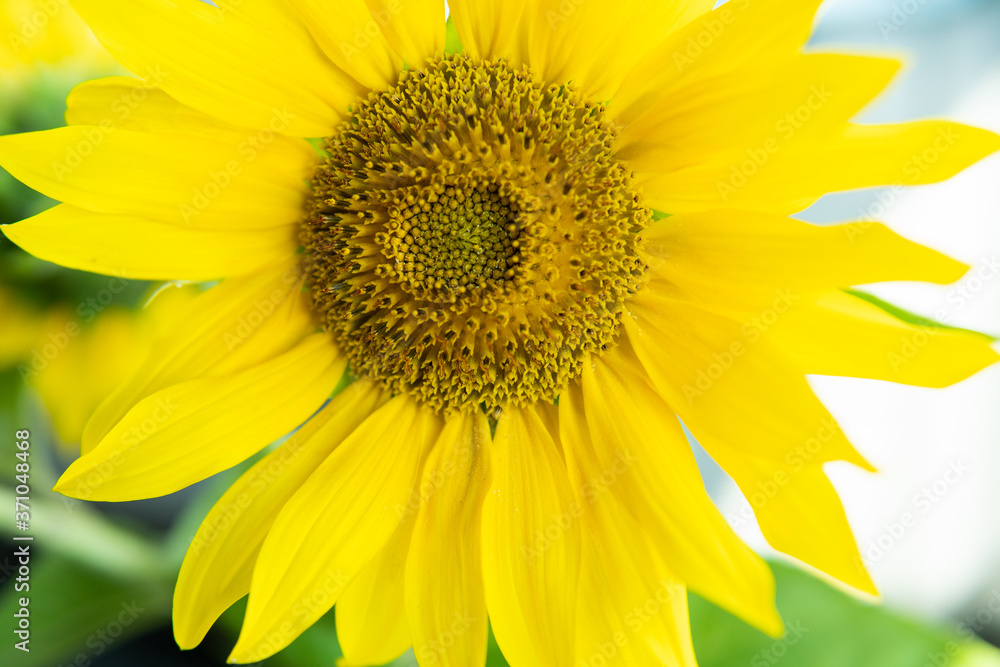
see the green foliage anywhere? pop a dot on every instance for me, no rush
(828, 628)
(494, 657)
(452, 42)
(76, 611)
(31, 105)
(907, 316)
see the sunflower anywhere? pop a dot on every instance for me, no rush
(518, 267)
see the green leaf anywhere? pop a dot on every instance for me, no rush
(75, 611)
(11, 389)
(316, 647)
(209, 492)
(911, 318)
(494, 656)
(452, 42)
(72, 530)
(405, 660)
(829, 628)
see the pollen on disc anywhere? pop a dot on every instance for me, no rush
(472, 237)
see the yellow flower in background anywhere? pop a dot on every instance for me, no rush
(20, 328)
(35, 33)
(94, 361)
(75, 359)
(477, 245)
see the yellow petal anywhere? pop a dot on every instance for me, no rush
(758, 418)
(595, 44)
(799, 173)
(690, 155)
(739, 35)
(712, 256)
(840, 334)
(531, 544)
(414, 28)
(219, 563)
(232, 181)
(692, 122)
(445, 602)
(799, 511)
(128, 103)
(375, 600)
(781, 278)
(334, 525)
(236, 325)
(632, 30)
(127, 246)
(187, 432)
(635, 439)
(250, 63)
(489, 28)
(352, 38)
(631, 610)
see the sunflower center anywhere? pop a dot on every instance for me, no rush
(461, 236)
(472, 237)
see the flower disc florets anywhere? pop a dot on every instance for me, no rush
(472, 236)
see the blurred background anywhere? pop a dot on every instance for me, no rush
(102, 574)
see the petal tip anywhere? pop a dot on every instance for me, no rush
(64, 485)
(9, 231)
(867, 585)
(247, 653)
(184, 635)
(773, 626)
(252, 646)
